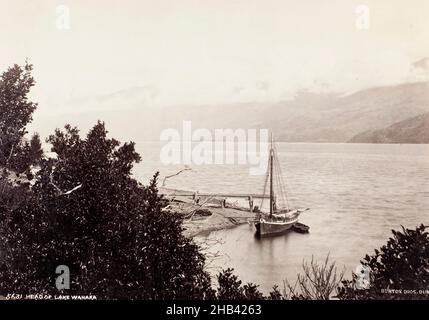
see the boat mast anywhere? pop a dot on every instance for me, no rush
(271, 178)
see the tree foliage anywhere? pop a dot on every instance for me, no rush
(16, 111)
(18, 155)
(88, 213)
(84, 210)
(401, 265)
(231, 288)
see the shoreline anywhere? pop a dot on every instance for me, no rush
(194, 230)
(220, 219)
(202, 219)
(206, 216)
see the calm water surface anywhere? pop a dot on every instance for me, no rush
(357, 193)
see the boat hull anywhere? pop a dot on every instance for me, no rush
(267, 228)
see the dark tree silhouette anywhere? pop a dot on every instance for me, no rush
(231, 288)
(15, 113)
(88, 213)
(402, 264)
(17, 155)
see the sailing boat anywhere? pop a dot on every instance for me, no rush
(279, 219)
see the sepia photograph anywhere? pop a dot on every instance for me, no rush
(223, 157)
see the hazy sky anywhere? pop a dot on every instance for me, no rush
(213, 51)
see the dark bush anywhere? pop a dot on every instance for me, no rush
(84, 210)
(402, 264)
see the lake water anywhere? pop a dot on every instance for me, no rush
(357, 193)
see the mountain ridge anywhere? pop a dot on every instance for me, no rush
(308, 117)
(412, 130)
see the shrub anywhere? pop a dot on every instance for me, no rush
(317, 282)
(401, 264)
(231, 288)
(87, 212)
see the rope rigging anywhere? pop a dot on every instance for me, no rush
(279, 184)
(267, 175)
(283, 188)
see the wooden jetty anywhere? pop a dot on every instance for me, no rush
(185, 193)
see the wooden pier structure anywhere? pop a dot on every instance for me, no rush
(196, 196)
(183, 193)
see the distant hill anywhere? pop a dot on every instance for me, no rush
(411, 130)
(330, 118)
(308, 117)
